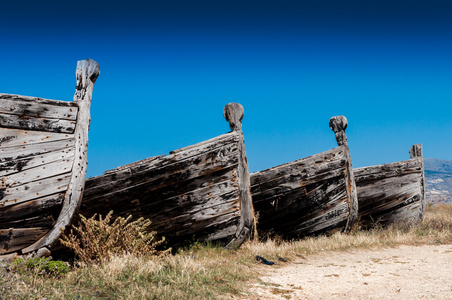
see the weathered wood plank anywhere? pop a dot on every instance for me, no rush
(31, 108)
(37, 100)
(28, 209)
(24, 164)
(44, 220)
(34, 190)
(166, 170)
(17, 137)
(12, 240)
(39, 124)
(28, 151)
(391, 192)
(55, 168)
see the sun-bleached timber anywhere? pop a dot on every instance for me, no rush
(392, 193)
(197, 193)
(311, 196)
(43, 146)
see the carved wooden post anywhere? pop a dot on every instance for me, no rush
(233, 113)
(416, 152)
(86, 74)
(338, 124)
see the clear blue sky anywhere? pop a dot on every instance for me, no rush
(168, 68)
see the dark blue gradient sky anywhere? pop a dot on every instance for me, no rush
(169, 67)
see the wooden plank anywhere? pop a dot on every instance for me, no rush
(24, 164)
(167, 171)
(38, 124)
(303, 169)
(34, 190)
(32, 108)
(38, 100)
(86, 74)
(44, 220)
(28, 151)
(52, 169)
(155, 197)
(17, 137)
(31, 208)
(221, 147)
(12, 240)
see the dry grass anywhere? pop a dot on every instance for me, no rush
(209, 272)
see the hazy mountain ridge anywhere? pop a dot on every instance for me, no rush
(438, 180)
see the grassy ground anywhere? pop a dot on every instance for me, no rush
(206, 271)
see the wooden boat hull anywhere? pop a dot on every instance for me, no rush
(199, 193)
(392, 193)
(311, 196)
(42, 164)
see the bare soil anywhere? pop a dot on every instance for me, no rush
(405, 272)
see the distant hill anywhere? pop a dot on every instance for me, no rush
(438, 180)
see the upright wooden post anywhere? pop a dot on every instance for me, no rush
(86, 74)
(416, 152)
(233, 113)
(338, 124)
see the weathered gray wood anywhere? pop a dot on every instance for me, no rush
(393, 192)
(29, 151)
(34, 123)
(34, 190)
(197, 192)
(19, 105)
(22, 164)
(86, 74)
(52, 169)
(310, 196)
(18, 137)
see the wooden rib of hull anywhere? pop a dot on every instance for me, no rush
(392, 193)
(42, 164)
(200, 192)
(311, 196)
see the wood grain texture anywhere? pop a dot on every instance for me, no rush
(310, 196)
(392, 193)
(86, 74)
(193, 193)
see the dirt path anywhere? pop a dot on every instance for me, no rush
(405, 272)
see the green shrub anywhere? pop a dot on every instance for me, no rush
(39, 266)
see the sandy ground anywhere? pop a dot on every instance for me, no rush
(405, 272)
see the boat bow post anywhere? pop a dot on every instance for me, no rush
(86, 74)
(338, 124)
(233, 113)
(416, 152)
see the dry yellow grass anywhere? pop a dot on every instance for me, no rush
(209, 272)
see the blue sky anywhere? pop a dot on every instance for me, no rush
(169, 67)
